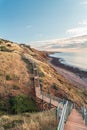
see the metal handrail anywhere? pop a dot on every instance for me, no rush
(67, 108)
(62, 118)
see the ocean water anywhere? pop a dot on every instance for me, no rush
(77, 59)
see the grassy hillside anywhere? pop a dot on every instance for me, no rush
(16, 75)
(17, 88)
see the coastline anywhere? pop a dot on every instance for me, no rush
(74, 75)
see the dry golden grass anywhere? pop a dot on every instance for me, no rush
(12, 64)
(36, 121)
(51, 76)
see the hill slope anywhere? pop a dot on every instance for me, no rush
(15, 74)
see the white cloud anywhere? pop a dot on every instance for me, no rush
(84, 22)
(55, 44)
(78, 31)
(81, 29)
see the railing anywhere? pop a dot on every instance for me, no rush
(84, 114)
(52, 97)
(64, 115)
(62, 118)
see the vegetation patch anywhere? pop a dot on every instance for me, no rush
(5, 49)
(40, 73)
(29, 64)
(1, 74)
(15, 87)
(54, 86)
(18, 104)
(12, 124)
(8, 77)
(22, 103)
(85, 93)
(4, 105)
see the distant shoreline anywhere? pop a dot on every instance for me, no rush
(74, 75)
(56, 62)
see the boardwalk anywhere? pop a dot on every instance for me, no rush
(75, 121)
(45, 98)
(38, 89)
(50, 100)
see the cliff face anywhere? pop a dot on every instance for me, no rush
(16, 73)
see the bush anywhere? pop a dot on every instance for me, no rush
(16, 87)
(41, 74)
(8, 77)
(9, 45)
(22, 103)
(1, 74)
(12, 124)
(4, 105)
(29, 65)
(54, 86)
(3, 48)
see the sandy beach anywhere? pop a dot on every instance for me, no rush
(72, 74)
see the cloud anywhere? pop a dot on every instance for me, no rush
(84, 22)
(55, 44)
(78, 31)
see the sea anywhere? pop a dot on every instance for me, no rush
(76, 59)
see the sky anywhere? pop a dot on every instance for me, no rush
(27, 21)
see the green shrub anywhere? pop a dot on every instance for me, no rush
(54, 86)
(22, 103)
(16, 87)
(1, 74)
(4, 105)
(9, 45)
(3, 48)
(8, 77)
(29, 65)
(84, 93)
(31, 68)
(40, 73)
(12, 124)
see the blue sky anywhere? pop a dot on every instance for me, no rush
(27, 21)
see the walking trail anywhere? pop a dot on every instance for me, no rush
(75, 121)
